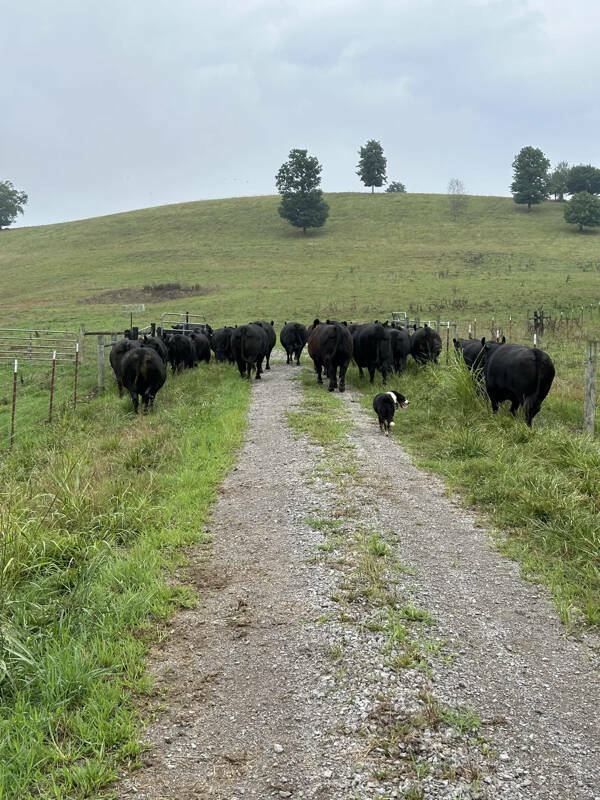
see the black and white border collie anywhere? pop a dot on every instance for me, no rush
(385, 404)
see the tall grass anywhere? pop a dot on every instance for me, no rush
(93, 516)
(539, 487)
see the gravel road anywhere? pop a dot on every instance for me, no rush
(270, 688)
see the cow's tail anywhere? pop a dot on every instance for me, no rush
(531, 402)
(298, 339)
(537, 354)
(249, 359)
(378, 347)
(242, 339)
(338, 340)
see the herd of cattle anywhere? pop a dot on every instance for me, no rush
(512, 372)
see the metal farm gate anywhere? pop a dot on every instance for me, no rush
(171, 318)
(39, 372)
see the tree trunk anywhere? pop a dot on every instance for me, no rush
(372, 189)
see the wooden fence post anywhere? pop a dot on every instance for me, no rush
(589, 387)
(81, 343)
(100, 363)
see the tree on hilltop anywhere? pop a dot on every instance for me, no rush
(583, 178)
(583, 209)
(372, 165)
(298, 182)
(396, 187)
(11, 203)
(457, 198)
(530, 177)
(559, 181)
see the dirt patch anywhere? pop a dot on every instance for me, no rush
(150, 294)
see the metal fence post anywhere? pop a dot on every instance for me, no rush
(100, 363)
(52, 386)
(589, 388)
(14, 404)
(76, 375)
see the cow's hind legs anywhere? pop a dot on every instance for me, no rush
(343, 370)
(331, 374)
(134, 398)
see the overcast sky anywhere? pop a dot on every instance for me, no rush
(116, 105)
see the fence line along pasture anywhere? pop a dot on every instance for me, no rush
(40, 375)
(55, 368)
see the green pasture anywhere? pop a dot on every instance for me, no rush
(377, 253)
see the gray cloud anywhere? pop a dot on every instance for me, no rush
(123, 105)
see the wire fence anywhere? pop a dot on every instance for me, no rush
(45, 373)
(41, 376)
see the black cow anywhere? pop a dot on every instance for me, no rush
(181, 351)
(271, 338)
(293, 337)
(353, 327)
(425, 345)
(201, 346)
(117, 353)
(221, 344)
(400, 339)
(193, 327)
(249, 344)
(372, 349)
(471, 350)
(384, 405)
(155, 343)
(330, 346)
(517, 373)
(143, 373)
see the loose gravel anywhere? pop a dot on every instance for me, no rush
(286, 679)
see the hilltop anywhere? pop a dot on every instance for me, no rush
(376, 253)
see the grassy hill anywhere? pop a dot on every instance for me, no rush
(377, 253)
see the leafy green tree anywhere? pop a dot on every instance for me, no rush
(583, 209)
(530, 177)
(559, 181)
(396, 186)
(583, 178)
(11, 203)
(372, 165)
(298, 182)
